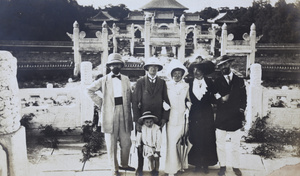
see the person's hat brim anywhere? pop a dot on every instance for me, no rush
(146, 116)
(160, 67)
(207, 67)
(223, 59)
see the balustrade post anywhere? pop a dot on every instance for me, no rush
(12, 134)
(254, 98)
(86, 105)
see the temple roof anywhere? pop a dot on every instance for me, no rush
(136, 16)
(222, 18)
(103, 16)
(164, 4)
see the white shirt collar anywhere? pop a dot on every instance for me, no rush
(151, 76)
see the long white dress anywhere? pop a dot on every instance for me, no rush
(177, 93)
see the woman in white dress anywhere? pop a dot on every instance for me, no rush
(178, 93)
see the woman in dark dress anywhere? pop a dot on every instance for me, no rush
(201, 118)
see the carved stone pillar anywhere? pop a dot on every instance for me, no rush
(254, 102)
(147, 37)
(224, 39)
(87, 105)
(12, 135)
(181, 51)
(104, 54)
(251, 58)
(77, 55)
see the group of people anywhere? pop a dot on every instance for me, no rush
(201, 110)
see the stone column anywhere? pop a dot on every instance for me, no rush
(77, 56)
(12, 135)
(132, 39)
(147, 37)
(213, 40)
(251, 58)
(104, 54)
(87, 105)
(224, 39)
(115, 42)
(181, 51)
(196, 32)
(254, 98)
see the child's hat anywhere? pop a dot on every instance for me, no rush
(147, 115)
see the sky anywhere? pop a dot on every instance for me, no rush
(193, 5)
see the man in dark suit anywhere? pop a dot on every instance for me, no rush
(150, 94)
(231, 103)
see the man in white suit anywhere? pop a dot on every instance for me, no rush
(115, 107)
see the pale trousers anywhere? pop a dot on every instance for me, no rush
(235, 137)
(119, 134)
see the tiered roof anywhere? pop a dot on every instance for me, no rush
(164, 4)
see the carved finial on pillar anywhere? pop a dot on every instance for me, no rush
(224, 26)
(182, 18)
(253, 27)
(75, 24)
(104, 24)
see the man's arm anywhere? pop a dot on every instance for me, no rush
(166, 114)
(91, 91)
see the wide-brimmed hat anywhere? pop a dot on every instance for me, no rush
(147, 115)
(223, 59)
(153, 61)
(176, 64)
(115, 58)
(206, 66)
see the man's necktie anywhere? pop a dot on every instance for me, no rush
(228, 79)
(116, 76)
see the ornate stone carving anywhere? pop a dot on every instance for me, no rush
(9, 101)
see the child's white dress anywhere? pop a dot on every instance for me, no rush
(151, 138)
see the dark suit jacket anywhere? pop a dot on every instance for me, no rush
(151, 100)
(228, 115)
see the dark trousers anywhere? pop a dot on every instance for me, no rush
(140, 157)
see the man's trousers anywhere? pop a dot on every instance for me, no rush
(119, 134)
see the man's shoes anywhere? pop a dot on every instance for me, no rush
(139, 172)
(237, 171)
(222, 171)
(205, 169)
(128, 168)
(197, 169)
(116, 173)
(154, 173)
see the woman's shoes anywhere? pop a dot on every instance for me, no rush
(205, 169)
(202, 168)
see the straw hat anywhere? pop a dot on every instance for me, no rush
(146, 115)
(115, 58)
(153, 61)
(223, 59)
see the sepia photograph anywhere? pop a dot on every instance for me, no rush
(149, 88)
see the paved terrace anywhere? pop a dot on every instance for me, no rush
(66, 162)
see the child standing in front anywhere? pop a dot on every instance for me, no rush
(151, 138)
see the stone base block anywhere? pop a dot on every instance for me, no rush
(15, 146)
